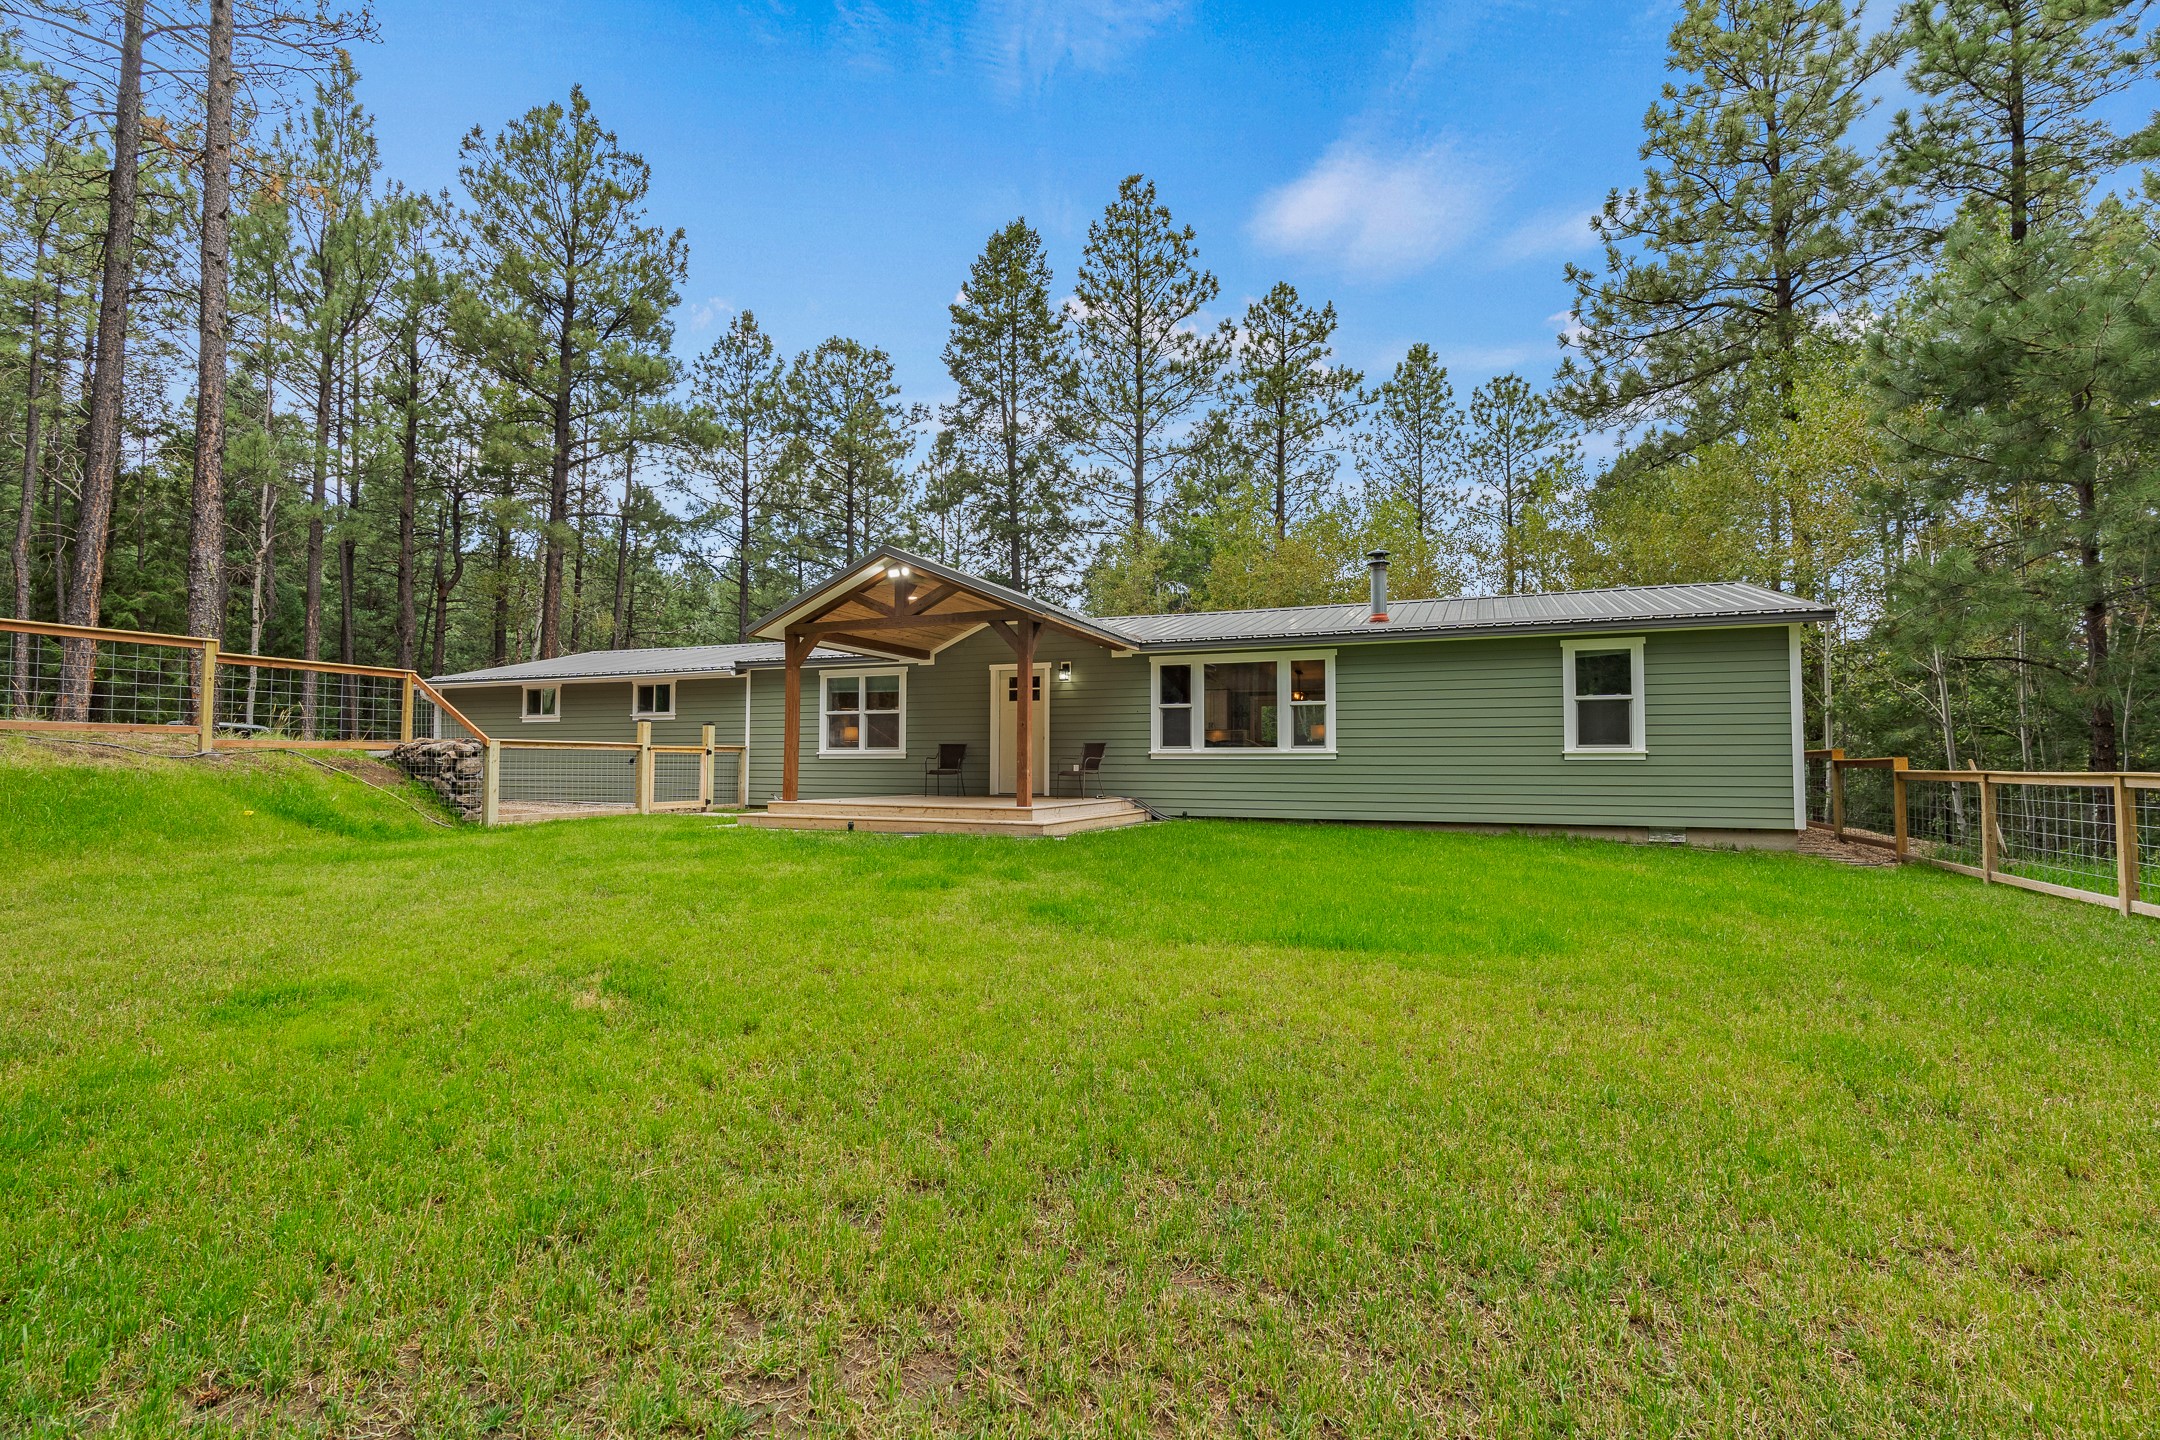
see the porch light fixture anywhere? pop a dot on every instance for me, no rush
(1065, 671)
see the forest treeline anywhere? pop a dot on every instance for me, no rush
(1902, 357)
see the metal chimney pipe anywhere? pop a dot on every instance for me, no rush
(1376, 562)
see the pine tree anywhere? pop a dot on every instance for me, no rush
(2023, 387)
(1412, 449)
(1756, 222)
(569, 292)
(1145, 365)
(740, 381)
(1010, 422)
(1520, 450)
(2009, 90)
(1291, 406)
(849, 434)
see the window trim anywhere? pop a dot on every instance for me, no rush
(674, 693)
(1199, 659)
(860, 752)
(525, 714)
(1638, 698)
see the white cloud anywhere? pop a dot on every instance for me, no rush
(1377, 216)
(712, 311)
(1025, 42)
(1550, 236)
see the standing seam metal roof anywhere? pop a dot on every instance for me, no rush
(1645, 607)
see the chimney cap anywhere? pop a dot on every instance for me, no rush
(1376, 557)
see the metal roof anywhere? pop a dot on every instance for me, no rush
(681, 660)
(1644, 607)
(1632, 607)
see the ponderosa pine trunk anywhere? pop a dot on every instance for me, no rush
(551, 576)
(206, 525)
(408, 480)
(101, 449)
(26, 505)
(311, 612)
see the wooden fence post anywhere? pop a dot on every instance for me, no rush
(206, 697)
(491, 783)
(1897, 803)
(1987, 828)
(2126, 845)
(405, 716)
(705, 769)
(644, 767)
(1837, 794)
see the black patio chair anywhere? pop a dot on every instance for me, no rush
(1089, 763)
(949, 758)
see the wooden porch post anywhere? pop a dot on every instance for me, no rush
(797, 647)
(1024, 717)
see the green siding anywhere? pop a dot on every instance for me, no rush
(1463, 731)
(600, 710)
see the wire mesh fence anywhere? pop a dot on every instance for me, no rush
(678, 777)
(116, 680)
(1870, 801)
(263, 698)
(2058, 834)
(1942, 821)
(1818, 771)
(568, 774)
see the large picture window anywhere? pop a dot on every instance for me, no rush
(1245, 704)
(864, 714)
(1602, 689)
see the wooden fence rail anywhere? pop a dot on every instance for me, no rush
(143, 682)
(2080, 835)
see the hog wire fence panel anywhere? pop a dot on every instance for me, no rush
(678, 776)
(568, 773)
(265, 698)
(1942, 821)
(2145, 803)
(1818, 786)
(2058, 834)
(122, 680)
(1870, 802)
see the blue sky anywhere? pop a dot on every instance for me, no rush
(1427, 165)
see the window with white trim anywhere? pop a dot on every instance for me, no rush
(1602, 688)
(863, 713)
(652, 700)
(543, 702)
(1244, 704)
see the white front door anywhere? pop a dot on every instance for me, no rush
(1005, 727)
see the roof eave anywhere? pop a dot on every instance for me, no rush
(1382, 634)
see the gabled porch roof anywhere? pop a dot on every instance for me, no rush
(905, 606)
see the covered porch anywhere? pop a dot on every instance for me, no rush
(906, 609)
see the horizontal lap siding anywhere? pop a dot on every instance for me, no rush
(600, 710)
(1464, 731)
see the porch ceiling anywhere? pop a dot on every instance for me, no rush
(908, 607)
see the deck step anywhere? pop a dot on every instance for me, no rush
(932, 809)
(1043, 821)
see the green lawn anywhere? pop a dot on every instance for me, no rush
(316, 1117)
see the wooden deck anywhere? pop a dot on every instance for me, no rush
(948, 815)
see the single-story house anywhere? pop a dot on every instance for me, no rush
(1665, 708)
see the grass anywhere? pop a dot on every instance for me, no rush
(318, 1118)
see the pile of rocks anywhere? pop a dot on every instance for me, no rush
(454, 769)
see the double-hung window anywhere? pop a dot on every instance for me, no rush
(1245, 704)
(543, 702)
(1602, 688)
(864, 714)
(652, 700)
